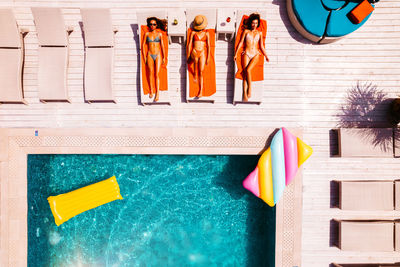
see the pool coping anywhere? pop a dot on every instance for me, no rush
(17, 143)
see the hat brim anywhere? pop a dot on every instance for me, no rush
(200, 27)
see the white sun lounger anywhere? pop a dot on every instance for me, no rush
(142, 20)
(11, 58)
(53, 54)
(359, 142)
(366, 195)
(99, 54)
(257, 86)
(377, 236)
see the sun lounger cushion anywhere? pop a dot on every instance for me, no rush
(50, 26)
(312, 15)
(333, 4)
(340, 24)
(366, 236)
(366, 195)
(11, 58)
(361, 142)
(10, 75)
(98, 74)
(397, 194)
(326, 18)
(9, 33)
(397, 236)
(52, 73)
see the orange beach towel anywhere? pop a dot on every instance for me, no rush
(209, 70)
(258, 70)
(163, 71)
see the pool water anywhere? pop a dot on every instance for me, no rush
(177, 211)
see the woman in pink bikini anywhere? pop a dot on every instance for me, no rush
(199, 43)
(252, 40)
(153, 54)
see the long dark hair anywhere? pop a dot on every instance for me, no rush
(153, 18)
(250, 19)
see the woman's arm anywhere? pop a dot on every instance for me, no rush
(164, 56)
(144, 52)
(240, 44)
(189, 47)
(208, 47)
(262, 47)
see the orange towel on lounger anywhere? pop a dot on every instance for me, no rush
(145, 71)
(258, 70)
(209, 70)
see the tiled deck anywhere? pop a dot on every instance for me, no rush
(307, 86)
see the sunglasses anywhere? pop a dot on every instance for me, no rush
(153, 24)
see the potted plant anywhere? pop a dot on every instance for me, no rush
(395, 110)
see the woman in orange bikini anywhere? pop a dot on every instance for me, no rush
(153, 54)
(252, 40)
(199, 49)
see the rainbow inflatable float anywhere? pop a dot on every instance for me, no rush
(277, 167)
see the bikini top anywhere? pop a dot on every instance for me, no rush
(251, 38)
(203, 39)
(156, 40)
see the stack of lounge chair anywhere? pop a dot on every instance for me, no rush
(369, 235)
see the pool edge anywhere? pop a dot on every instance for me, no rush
(16, 144)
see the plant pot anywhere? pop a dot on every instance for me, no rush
(395, 110)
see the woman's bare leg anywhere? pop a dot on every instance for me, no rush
(245, 62)
(195, 59)
(150, 65)
(249, 68)
(157, 76)
(202, 65)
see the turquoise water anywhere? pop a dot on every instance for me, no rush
(176, 211)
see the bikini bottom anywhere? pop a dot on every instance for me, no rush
(251, 55)
(198, 53)
(154, 56)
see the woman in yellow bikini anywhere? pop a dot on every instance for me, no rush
(199, 43)
(252, 40)
(153, 54)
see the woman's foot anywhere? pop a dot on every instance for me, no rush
(151, 94)
(249, 93)
(156, 97)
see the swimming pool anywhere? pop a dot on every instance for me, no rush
(177, 211)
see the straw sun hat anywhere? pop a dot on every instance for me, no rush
(199, 22)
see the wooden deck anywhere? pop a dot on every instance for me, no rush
(307, 86)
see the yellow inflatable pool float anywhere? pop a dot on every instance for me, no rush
(66, 206)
